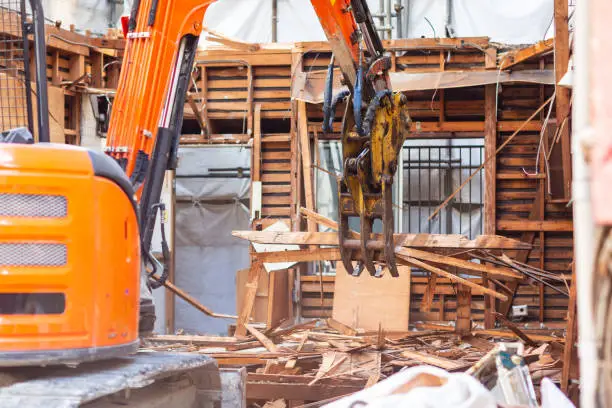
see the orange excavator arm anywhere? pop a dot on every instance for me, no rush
(147, 112)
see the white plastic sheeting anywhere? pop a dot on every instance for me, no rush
(93, 15)
(207, 256)
(459, 390)
(516, 22)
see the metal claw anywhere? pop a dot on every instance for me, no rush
(343, 231)
(388, 229)
(366, 255)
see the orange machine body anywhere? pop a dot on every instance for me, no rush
(70, 264)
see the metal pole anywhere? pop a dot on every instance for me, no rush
(398, 19)
(40, 56)
(381, 15)
(450, 32)
(389, 23)
(274, 20)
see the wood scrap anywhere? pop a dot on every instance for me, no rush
(514, 328)
(415, 262)
(438, 241)
(284, 363)
(268, 344)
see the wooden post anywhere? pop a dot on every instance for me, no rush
(251, 83)
(463, 324)
(490, 136)
(570, 353)
(306, 163)
(97, 66)
(563, 94)
(249, 299)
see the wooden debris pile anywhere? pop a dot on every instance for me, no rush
(324, 359)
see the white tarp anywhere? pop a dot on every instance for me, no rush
(515, 22)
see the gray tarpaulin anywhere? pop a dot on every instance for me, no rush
(309, 86)
(209, 206)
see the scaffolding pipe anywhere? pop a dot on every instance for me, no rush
(274, 20)
(584, 228)
(398, 19)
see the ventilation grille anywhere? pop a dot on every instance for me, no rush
(34, 254)
(33, 205)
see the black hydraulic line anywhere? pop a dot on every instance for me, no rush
(153, 12)
(166, 146)
(328, 118)
(133, 15)
(374, 104)
(328, 95)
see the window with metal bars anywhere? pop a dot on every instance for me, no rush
(432, 171)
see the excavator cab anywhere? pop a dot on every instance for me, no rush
(70, 261)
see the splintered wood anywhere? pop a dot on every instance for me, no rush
(323, 359)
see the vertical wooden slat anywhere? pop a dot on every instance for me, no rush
(203, 87)
(249, 300)
(306, 163)
(250, 82)
(562, 53)
(256, 172)
(490, 136)
(55, 74)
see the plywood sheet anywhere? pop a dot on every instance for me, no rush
(365, 302)
(260, 309)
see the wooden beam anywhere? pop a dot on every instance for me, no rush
(256, 172)
(249, 302)
(533, 225)
(326, 222)
(306, 158)
(536, 50)
(290, 387)
(419, 264)
(301, 255)
(267, 343)
(461, 263)
(570, 353)
(463, 323)
(490, 139)
(404, 240)
(562, 53)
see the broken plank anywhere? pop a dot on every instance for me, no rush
(301, 255)
(249, 300)
(463, 264)
(441, 362)
(341, 327)
(324, 221)
(295, 387)
(514, 328)
(200, 340)
(419, 264)
(267, 343)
